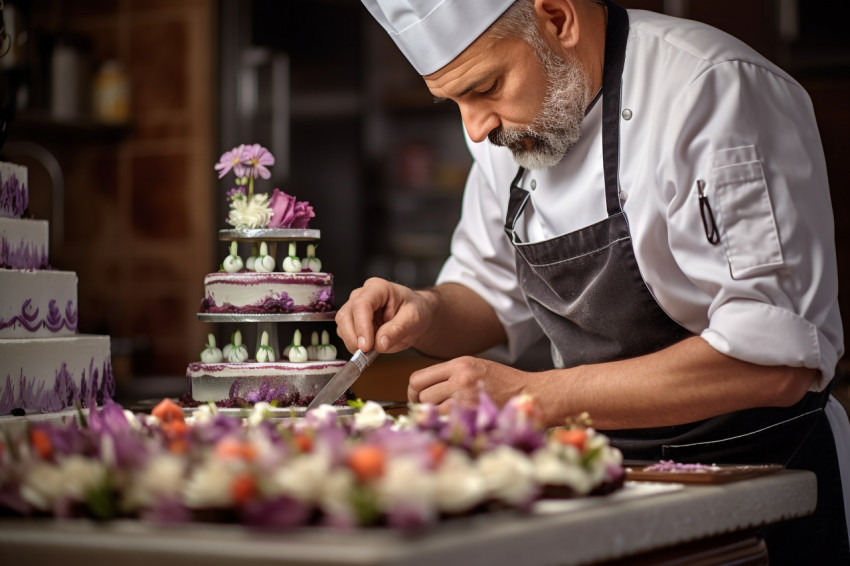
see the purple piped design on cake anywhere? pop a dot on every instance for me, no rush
(22, 256)
(14, 197)
(323, 301)
(54, 321)
(34, 396)
(281, 305)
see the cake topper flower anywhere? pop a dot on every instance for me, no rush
(252, 211)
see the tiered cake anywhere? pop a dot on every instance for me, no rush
(266, 293)
(45, 366)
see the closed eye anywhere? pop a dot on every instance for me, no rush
(490, 90)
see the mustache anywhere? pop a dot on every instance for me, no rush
(510, 138)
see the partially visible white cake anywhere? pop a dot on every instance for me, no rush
(277, 292)
(45, 366)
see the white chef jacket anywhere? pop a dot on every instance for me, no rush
(697, 104)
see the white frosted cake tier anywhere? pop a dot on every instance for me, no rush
(45, 375)
(24, 243)
(275, 293)
(14, 190)
(40, 303)
(289, 383)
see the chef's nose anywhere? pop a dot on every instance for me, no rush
(479, 121)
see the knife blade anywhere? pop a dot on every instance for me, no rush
(344, 378)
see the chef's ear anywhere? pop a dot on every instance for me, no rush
(557, 20)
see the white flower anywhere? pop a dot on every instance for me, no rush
(42, 486)
(405, 484)
(508, 475)
(370, 416)
(209, 486)
(303, 477)
(458, 485)
(203, 414)
(162, 476)
(336, 495)
(550, 469)
(252, 214)
(262, 411)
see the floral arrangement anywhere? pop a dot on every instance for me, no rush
(368, 470)
(249, 210)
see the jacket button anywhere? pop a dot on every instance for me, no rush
(624, 196)
(533, 184)
(627, 114)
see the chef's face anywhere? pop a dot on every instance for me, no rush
(528, 98)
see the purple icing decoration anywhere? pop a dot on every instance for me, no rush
(34, 397)
(22, 257)
(54, 321)
(14, 197)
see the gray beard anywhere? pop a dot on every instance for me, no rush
(557, 127)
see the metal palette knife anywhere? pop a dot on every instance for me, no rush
(344, 378)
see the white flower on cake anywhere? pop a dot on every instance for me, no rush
(265, 353)
(370, 416)
(405, 486)
(232, 263)
(551, 469)
(249, 263)
(162, 476)
(311, 262)
(313, 348)
(250, 212)
(238, 353)
(326, 351)
(508, 475)
(303, 478)
(261, 412)
(42, 486)
(291, 263)
(203, 414)
(209, 486)
(297, 352)
(264, 262)
(211, 354)
(335, 499)
(458, 485)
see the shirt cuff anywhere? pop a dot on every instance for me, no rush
(768, 335)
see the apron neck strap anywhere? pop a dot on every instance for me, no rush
(616, 37)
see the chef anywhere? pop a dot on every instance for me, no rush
(651, 195)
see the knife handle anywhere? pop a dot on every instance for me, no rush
(364, 360)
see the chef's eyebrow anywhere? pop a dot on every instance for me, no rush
(475, 85)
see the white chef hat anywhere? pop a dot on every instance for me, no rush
(431, 33)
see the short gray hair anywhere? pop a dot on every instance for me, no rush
(519, 20)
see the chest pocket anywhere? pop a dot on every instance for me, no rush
(746, 221)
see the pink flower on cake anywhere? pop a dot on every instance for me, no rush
(288, 213)
(256, 160)
(232, 159)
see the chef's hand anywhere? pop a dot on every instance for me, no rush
(460, 380)
(385, 316)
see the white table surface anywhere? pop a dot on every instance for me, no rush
(640, 518)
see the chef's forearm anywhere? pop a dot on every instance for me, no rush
(463, 323)
(683, 383)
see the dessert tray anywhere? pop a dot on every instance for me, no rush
(714, 474)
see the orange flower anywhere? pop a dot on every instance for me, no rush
(437, 452)
(575, 437)
(243, 488)
(167, 411)
(231, 448)
(303, 442)
(41, 442)
(367, 462)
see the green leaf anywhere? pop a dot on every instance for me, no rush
(365, 504)
(356, 404)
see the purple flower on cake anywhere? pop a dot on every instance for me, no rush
(289, 213)
(232, 159)
(256, 159)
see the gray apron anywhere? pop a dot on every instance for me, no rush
(586, 292)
